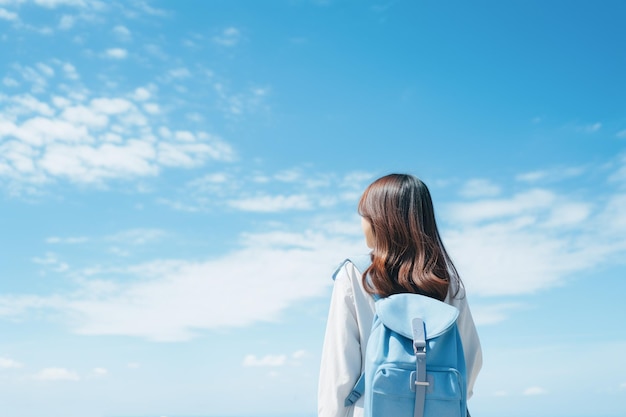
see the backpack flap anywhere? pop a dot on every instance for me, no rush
(398, 311)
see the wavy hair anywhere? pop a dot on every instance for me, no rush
(408, 253)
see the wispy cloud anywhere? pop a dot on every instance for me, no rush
(122, 32)
(591, 128)
(100, 372)
(137, 236)
(50, 260)
(7, 363)
(550, 175)
(535, 238)
(181, 72)
(7, 15)
(229, 37)
(485, 314)
(480, 188)
(302, 190)
(67, 22)
(56, 3)
(116, 53)
(166, 300)
(535, 391)
(267, 360)
(238, 104)
(488, 209)
(267, 203)
(276, 360)
(56, 374)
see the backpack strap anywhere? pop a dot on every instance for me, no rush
(419, 347)
(362, 262)
(356, 392)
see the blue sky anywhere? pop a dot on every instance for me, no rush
(179, 179)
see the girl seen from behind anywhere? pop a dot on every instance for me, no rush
(407, 256)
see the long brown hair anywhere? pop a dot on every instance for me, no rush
(408, 254)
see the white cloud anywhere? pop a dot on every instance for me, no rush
(100, 139)
(51, 261)
(137, 237)
(179, 73)
(184, 136)
(25, 104)
(141, 94)
(100, 372)
(555, 174)
(480, 188)
(228, 37)
(268, 360)
(61, 102)
(501, 260)
(145, 7)
(56, 374)
(70, 71)
(152, 108)
(622, 386)
(189, 154)
(7, 15)
(33, 76)
(10, 82)
(112, 106)
(116, 53)
(40, 131)
(67, 240)
(299, 354)
(51, 4)
(237, 104)
(67, 22)
(274, 360)
(621, 134)
(525, 202)
(276, 203)
(535, 391)
(6, 363)
(290, 175)
(168, 300)
(247, 192)
(568, 214)
(122, 32)
(492, 314)
(592, 128)
(81, 115)
(91, 164)
(532, 240)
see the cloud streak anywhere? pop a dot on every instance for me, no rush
(532, 240)
(167, 300)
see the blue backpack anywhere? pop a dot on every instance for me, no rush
(414, 365)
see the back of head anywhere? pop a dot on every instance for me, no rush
(408, 254)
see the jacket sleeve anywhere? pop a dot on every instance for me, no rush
(471, 342)
(341, 353)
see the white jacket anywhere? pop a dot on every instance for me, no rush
(347, 331)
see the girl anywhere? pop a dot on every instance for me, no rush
(407, 256)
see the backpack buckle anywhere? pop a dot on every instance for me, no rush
(419, 338)
(419, 348)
